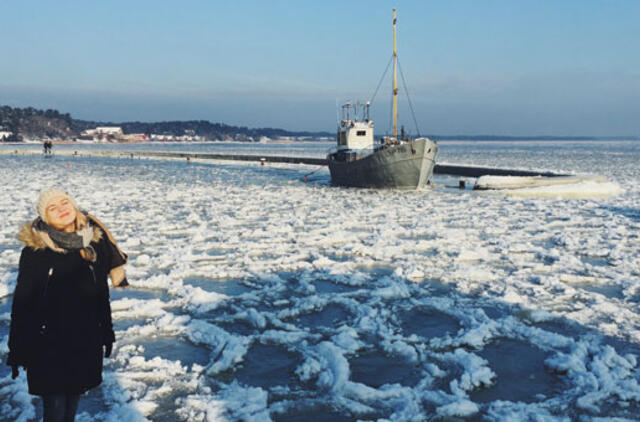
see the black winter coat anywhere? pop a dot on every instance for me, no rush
(61, 317)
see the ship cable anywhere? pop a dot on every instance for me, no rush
(381, 79)
(406, 90)
(305, 178)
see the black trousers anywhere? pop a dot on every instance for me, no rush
(59, 407)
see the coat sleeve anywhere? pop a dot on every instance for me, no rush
(108, 336)
(117, 262)
(116, 259)
(23, 309)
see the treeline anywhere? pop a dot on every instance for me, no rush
(40, 124)
(197, 127)
(33, 123)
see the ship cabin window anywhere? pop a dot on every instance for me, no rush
(361, 133)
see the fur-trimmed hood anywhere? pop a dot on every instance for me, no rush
(36, 239)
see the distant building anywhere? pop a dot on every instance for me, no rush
(155, 137)
(162, 137)
(134, 137)
(4, 134)
(104, 132)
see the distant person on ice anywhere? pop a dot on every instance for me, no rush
(61, 317)
(48, 146)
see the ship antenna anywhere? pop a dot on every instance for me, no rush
(395, 80)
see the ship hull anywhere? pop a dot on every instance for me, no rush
(408, 165)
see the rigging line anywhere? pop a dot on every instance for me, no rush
(381, 79)
(318, 169)
(404, 83)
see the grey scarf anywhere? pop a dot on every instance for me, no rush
(79, 240)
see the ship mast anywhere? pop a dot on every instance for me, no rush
(395, 80)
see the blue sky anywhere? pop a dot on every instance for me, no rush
(504, 67)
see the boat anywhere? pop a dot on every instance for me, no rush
(398, 162)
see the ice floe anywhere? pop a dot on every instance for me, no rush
(256, 296)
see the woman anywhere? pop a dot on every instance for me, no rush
(60, 316)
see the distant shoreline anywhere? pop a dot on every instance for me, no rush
(534, 138)
(444, 140)
(61, 128)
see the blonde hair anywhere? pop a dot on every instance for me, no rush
(80, 223)
(81, 219)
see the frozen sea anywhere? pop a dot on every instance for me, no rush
(257, 296)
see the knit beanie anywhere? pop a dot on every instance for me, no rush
(46, 196)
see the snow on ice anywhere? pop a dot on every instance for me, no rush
(256, 296)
